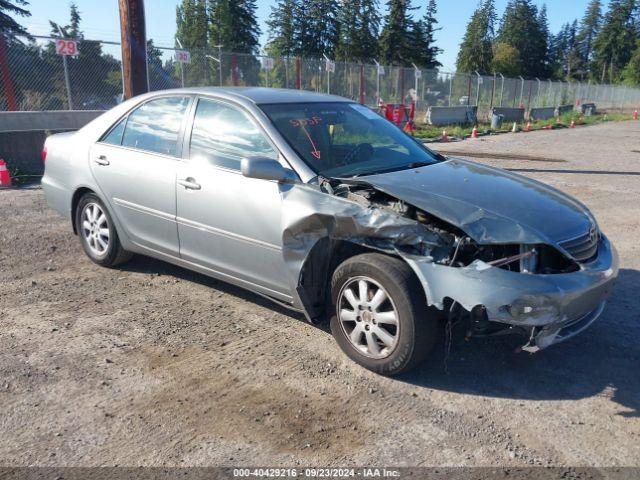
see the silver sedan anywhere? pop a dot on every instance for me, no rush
(320, 204)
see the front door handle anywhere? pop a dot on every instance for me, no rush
(189, 183)
(102, 160)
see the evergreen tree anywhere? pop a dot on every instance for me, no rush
(282, 29)
(233, 25)
(395, 39)
(321, 29)
(424, 52)
(359, 23)
(589, 28)
(544, 42)
(191, 24)
(521, 29)
(476, 49)
(616, 40)
(8, 26)
(192, 35)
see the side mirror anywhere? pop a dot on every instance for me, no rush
(266, 169)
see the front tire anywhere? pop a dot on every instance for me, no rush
(97, 233)
(380, 316)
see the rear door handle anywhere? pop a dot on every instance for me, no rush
(102, 160)
(189, 183)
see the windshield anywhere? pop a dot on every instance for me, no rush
(346, 139)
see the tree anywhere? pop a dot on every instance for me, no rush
(476, 49)
(520, 27)
(233, 25)
(423, 51)
(359, 23)
(395, 39)
(8, 26)
(320, 29)
(192, 35)
(506, 59)
(282, 25)
(544, 42)
(616, 40)
(631, 73)
(589, 29)
(191, 24)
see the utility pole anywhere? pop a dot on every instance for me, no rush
(134, 47)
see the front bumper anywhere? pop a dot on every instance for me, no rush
(551, 307)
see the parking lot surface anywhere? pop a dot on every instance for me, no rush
(150, 364)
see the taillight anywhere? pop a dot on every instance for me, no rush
(44, 154)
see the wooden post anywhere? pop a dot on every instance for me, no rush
(5, 74)
(134, 47)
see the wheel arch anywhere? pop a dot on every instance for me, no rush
(323, 259)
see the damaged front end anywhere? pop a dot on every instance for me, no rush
(535, 288)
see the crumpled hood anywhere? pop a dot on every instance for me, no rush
(489, 204)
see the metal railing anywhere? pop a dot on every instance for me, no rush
(93, 80)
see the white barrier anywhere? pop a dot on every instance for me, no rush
(441, 116)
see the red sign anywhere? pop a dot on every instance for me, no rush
(66, 47)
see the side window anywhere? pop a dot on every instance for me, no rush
(114, 137)
(155, 125)
(224, 135)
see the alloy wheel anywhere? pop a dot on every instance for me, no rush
(368, 317)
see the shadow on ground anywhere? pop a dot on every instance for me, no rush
(604, 360)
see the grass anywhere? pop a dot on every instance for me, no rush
(425, 131)
(22, 177)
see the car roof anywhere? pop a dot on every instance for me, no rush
(262, 95)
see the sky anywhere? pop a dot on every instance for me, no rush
(100, 19)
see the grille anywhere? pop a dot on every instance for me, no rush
(584, 247)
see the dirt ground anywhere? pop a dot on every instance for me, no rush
(150, 364)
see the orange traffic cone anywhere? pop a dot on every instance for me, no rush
(5, 178)
(635, 115)
(445, 137)
(474, 132)
(572, 124)
(528, 129)
(558, 120)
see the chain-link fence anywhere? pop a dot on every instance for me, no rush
(92, 79)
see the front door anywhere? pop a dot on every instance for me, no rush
(227, 222)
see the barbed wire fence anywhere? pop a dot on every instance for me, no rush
(92, 79)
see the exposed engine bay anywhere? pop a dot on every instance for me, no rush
(456, 248)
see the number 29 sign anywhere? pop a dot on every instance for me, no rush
(66, 47)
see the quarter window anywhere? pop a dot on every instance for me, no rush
(155, 125)
(114, 137)
(223, 135)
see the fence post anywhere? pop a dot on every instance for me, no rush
(501, 88)
(521, 105)
(5, 74)
(450, 87)
(469, 91)
(298, 74)
(493, 92)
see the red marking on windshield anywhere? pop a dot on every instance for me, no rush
(302, 123)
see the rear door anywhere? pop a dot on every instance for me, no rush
(135, 167)
(227, 222)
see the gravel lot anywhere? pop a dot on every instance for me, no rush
(150, 364)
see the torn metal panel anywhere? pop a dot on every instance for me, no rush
(310, 214)
(489, 204)
(555, 303)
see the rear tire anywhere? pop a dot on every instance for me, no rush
(97, 233)
(389, 331)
